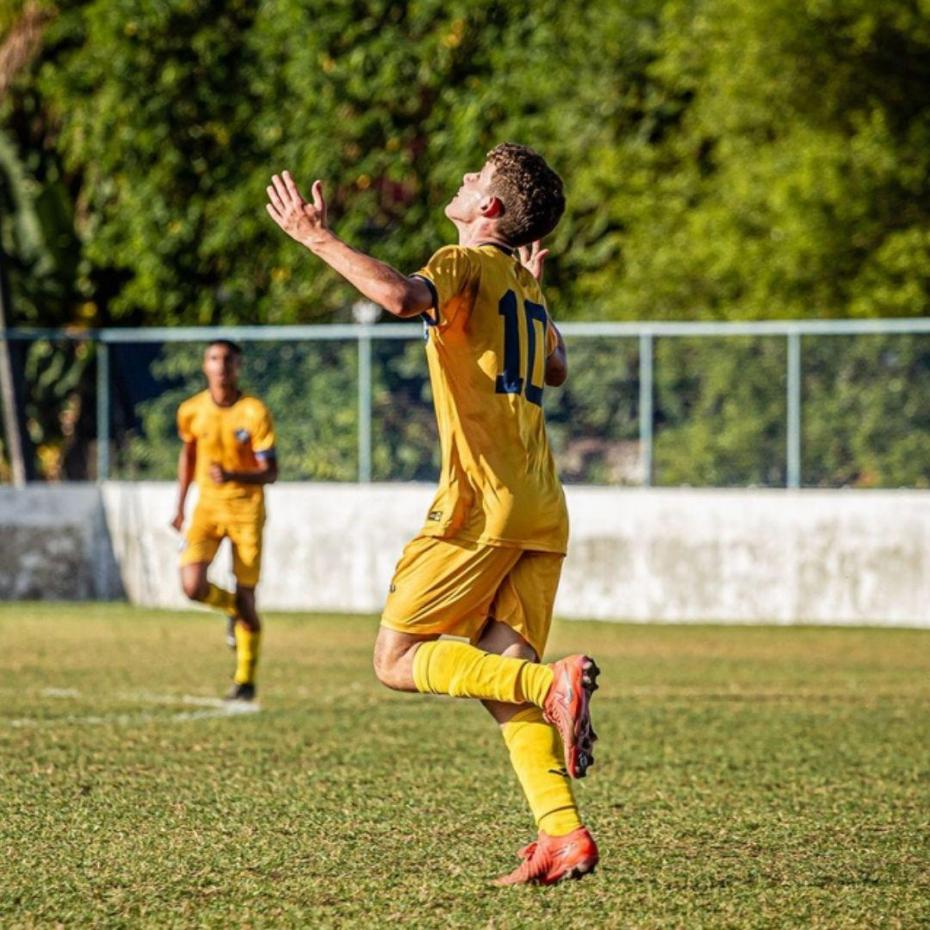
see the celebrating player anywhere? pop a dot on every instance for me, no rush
(486, 564)
(229, 451)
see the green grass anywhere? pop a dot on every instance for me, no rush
(746, 778)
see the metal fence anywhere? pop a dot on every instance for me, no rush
(801, 349)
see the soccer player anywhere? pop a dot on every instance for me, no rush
(229, 451)
(486, 564)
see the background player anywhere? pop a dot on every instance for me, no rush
(486, 564)
(229, 451)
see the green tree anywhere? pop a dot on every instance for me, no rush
(724, 159)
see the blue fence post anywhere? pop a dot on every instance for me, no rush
(364, 406)
(103, 410)
(793, 471)
(645, 405)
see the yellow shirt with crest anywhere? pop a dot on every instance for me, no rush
(488, 337)
(234, 437)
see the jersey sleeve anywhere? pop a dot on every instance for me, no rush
(186, 422)
(263, 438)
(450, 275)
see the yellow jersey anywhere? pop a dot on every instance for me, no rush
(488, 337)
(234, 437)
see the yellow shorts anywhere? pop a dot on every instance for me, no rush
(453, 588)
(243, 526)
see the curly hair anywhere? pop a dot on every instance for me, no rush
(529, 190)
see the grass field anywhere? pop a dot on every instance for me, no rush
(747, 777)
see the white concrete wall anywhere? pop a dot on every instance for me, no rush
(670, 555)
(327, 546)
(54, 544)
(749, 555)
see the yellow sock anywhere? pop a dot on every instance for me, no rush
(220, 598)
(536, 756)
(247, 641)
(461, 670)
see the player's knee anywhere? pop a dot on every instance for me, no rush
(383, 667)
(194, 588)
(388, 671)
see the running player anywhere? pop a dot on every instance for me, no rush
(229, 451)
(486, 564)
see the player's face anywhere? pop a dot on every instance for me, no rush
(473, 196)
(221, 366)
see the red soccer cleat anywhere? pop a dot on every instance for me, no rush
(567, 708)
(553, 858)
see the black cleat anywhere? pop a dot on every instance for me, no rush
(241, 693)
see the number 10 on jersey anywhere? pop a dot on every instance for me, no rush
(510, 381)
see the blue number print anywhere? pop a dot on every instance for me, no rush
(534, 313)
(509, 380)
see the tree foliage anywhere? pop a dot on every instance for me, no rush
(724, 159)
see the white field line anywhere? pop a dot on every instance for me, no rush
(212, 708)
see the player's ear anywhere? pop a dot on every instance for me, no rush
(491, 207)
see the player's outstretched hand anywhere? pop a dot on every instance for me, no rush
(301, 220)
(532, 258)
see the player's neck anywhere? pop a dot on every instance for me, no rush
(481, 233)
(224, 396)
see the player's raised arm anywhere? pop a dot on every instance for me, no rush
(305, 222)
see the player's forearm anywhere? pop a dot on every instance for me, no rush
(262, 476)
(557, 364)
(186, 464)
(249, 477)
(374, 279)
(184, 485)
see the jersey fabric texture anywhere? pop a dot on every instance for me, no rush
(451, 588)
(488, 338)
(233, 437)
(497, 530)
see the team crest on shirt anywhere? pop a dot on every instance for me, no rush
(242, 435)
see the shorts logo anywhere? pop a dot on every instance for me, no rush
(435, 516)
(242, 435)
(393, 587)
